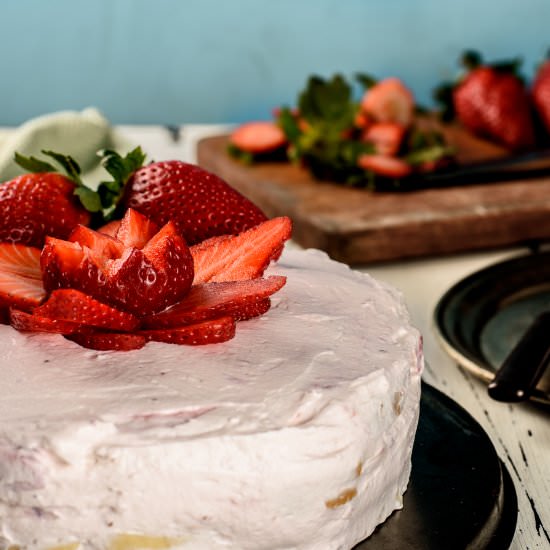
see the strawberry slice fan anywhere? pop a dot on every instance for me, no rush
(136, 280)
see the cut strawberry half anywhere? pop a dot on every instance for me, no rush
(212, 331)
(245, 256)
(389, 167)
(107, 341)
(20, 276)
(389, 101)
(258, 137)
(387, 137)
(31, 322)
(102, 246)
(239, 299)
(75, 306)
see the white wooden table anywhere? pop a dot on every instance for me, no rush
(520, 433)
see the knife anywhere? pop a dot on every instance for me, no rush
(512, 167)
(520, 372)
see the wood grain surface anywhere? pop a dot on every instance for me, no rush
(362, 227)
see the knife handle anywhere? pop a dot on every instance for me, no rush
(521, 370)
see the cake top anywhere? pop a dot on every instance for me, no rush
(327, 327)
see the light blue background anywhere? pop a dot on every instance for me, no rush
(178, 61)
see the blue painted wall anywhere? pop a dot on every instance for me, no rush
(176, 61)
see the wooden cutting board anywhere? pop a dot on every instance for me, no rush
(361, 227)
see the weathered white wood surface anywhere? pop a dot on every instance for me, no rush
(520, 433)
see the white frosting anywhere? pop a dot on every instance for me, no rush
(296, 434)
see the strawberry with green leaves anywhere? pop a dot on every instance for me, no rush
(491, 101)
(197, 202)
(44, 202)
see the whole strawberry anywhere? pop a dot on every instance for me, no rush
(33, 206)
(197, 202)
(540, 93)
(492, 102)
(200, 204)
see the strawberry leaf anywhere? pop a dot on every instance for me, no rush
(68, 163)
(32, 164)
(89, 198)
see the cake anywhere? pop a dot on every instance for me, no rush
(296, 434)
(286, 421)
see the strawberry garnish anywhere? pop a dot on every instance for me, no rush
(239, 299)
(140, 281)
(245, 256)
(258, 137)
(199, 203)
(31, 322)
(75, 306)
(135, 230)
(20, 276)
(212, 331)
(108, 341)
(44, 202)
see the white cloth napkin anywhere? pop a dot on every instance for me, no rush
(79, 134)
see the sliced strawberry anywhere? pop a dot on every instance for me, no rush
(245, 256)
(135, 229)
(387, 137)
(212, 331)
(258, 137)
(389, 167)
(102, 245)
(108, 341)
(20, 276)
(110, 228)
(389, 101)
(75, 306)
(239, 299)
(31, 322)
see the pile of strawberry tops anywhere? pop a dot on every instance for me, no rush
(163, 252)
(384, 135)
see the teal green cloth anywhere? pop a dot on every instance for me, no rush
(79, 134)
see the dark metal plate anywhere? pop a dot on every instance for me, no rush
(482, 317)
(460, 495)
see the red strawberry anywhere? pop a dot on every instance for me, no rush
(77, 307)
(239, 299)
(108, 341)
(258, 137)
(245, 256)
(491, 101)
(386, 137)
(31, 322)
(36, 205)
(43, 203)
(389, 101)
(212, 331)
(135, 230)
(540, 93)
(389, 167)
(133, 280)
(199, 203)
(110, 228)
(20, 276)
